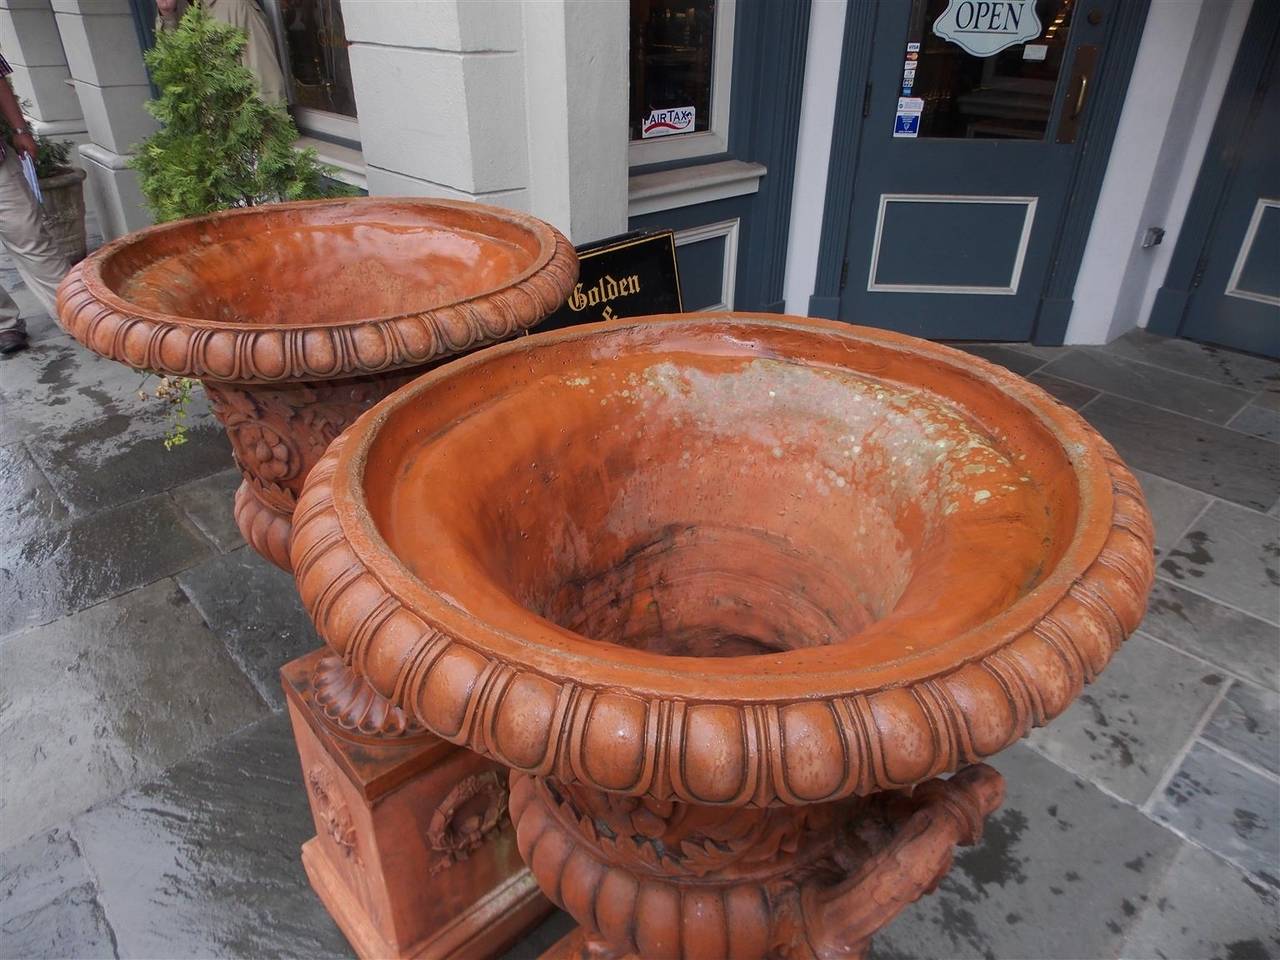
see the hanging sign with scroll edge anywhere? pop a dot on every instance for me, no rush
(985, 27)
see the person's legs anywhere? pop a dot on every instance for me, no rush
(13, 331)
(22, 232)
(9, 319)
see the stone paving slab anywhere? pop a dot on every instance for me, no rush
(1099, 368)
(1205, 908)
(60, 571)
(1203, 456)
(56, 384)
(48, 902)
(1200, 360)
(1239, 643)
(1233, 554)
(1128, 726)
(1074, 395)
(1247, 724)
(72, 925)
(204, 861)
(1173, 507)
(1061, 872)
(1018, 361)
(82, 719)
(28, 504)
(208, 503)
(120, 458)
(1258, 421)
(1227, 807)
(253, 607)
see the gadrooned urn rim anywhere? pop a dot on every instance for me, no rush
(103, 321)
(654, 730)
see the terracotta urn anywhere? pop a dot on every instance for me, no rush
(730, 596)
(299, 316)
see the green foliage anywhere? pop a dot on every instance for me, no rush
(52, 155)
(219, 144)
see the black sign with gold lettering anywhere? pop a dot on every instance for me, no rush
(628, 276)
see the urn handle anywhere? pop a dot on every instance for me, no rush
(938, 815)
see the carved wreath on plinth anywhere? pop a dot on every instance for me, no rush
(472, 810)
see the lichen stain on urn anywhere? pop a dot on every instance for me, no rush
(728, 594)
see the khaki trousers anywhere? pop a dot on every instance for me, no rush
(22, 233)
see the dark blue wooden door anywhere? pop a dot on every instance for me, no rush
(1235, 300)
(974, 119)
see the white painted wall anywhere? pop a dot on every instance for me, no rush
(1186, 54)
(813, 152)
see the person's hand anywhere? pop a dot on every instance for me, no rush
(25, 143)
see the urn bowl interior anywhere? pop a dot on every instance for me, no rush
(320, 263)
(764, 494)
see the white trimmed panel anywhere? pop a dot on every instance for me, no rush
(729, 270)
(1246, 248)
(1019, 258)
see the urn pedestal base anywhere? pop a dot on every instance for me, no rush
(414, 854)
(649, 879)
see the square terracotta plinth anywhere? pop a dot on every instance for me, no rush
(414, 854)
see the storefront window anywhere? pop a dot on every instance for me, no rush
(673, 52)
(1005, 95)
(316, 56)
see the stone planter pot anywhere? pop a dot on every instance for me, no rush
(726, 594)
(63, 211)
(299, 316)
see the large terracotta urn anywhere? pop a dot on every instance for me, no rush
(730, 596)
(299, 316)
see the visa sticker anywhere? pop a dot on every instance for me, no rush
(913, 48)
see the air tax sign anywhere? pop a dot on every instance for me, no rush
(985, 27)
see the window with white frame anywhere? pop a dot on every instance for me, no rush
(313, 51)
(681, 69)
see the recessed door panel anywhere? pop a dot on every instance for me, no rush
(923, 244)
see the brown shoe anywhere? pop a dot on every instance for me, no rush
(11, 341)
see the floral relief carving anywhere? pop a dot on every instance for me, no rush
(332, 812)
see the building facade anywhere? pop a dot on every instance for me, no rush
(1044, 170)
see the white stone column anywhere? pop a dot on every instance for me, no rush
(101, 45)
(31, 45)
(576, 113)
(522, 105)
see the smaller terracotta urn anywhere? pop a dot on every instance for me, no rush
(297, 317)
(729, 596)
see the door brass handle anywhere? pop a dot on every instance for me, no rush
(1082, 67)
(1080, 95)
